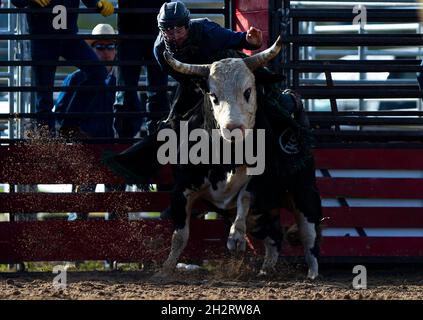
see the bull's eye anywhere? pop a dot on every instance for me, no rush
(214, 98)
(247, 94)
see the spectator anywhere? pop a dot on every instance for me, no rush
(51, 49)
(105, 49)
(130, 50)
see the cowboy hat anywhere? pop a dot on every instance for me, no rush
(101, 29)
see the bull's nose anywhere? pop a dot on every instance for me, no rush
(233, 126)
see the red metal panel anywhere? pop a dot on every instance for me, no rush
(150, 240)
(158, 201)
(244, 20)
(365, 247)
(253, 13)
(370, 188)
(382, 159)
(27, 164)
(55, 163)
(57, 173)
(329, 187)
(49, 152)
(347, 217)
(99, 240)
(248, 5)
(84, 202)
(37, 241)
(87, 202)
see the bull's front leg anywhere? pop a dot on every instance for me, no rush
(236, 239)
(308, 238)
(181, 207)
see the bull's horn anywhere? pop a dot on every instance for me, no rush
(261, 59)
(201, 70)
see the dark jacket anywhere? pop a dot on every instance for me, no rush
(91, 126)
(207, 39)
(42, 23)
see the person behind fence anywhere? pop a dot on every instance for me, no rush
(50, 48)
(91, 127)
(135, 50)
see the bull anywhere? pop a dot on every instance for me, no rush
(232, 96)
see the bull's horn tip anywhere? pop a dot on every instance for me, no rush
(279, 41)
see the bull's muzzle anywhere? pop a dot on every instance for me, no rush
(233, 130)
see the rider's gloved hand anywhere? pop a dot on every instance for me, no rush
(42, 3)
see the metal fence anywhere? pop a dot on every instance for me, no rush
(316, 34)
(355, 79)
(16, 99)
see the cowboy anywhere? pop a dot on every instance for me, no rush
(200, 41)
(196, 41)
(51, 49)
(92, 127)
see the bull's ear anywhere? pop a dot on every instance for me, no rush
(202, 84)
(199, 70)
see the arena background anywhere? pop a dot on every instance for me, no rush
(94, 279)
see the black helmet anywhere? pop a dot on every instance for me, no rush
(173, 14)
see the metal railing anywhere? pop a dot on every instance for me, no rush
(19, 85)
(313, 67)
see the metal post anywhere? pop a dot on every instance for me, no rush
(311, 56)
(285, 31)
(229, 14)
(362, 56)
(419, 30)
(295, 54)
(11, 22)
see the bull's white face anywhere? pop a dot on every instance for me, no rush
(232, 92)
(232, 88)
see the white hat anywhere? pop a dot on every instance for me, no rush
(101, 29)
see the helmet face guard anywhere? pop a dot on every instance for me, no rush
(175, 38)
(173, 22)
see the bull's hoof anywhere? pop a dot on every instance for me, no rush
(162, 276)
(238, 244)
(262, 274)
(313, 266)
(312, 275)
(265, 273)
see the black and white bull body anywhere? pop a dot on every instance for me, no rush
(233, 97)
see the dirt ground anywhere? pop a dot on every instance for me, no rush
(396, 282)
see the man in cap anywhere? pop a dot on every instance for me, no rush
(105, 50)
(41, 23)
(193, 41)
(197, 41)
(201, 41)
(92, 127)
